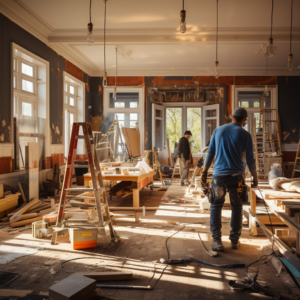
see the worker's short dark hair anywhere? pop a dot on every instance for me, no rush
(188, 132)
(238, 119)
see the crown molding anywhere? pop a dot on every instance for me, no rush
(169, 35)
(199, 72)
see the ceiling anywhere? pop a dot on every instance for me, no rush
(149, 31)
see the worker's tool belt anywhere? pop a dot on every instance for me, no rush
(234, 185)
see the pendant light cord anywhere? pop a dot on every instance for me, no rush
(272, 19)
(182, 4)
(291, 31)
(90, 11)
(116, 66)
(217, 30)
(104, 36)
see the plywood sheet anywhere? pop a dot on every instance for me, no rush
(132, 138)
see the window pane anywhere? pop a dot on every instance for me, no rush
(120, 117)
(72, 101)
(119, 104)
(72, 89)
(26, 69)
(15, 82)
(27, 86)
(133, 124)
(256, 104)
(211, 113)
(133, 117)
(210, 126)
(66, 99)
(129, 100)
(158, 113)
(15, 64)
(194, 125)
(173, 126)
(66, 87)
(71, 119)
(158, 134)
(245, 104)
(26, 109)
(133, 104)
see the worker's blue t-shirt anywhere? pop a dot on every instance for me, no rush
(228, 142)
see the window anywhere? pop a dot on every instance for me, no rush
(74, 110)
(245, 104)
(27, 70)
(127, 108)
(27, 86)
(200, 119)
(26, 109)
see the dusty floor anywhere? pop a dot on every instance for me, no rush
(141, 246)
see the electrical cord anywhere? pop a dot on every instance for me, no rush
(291, 32)
(217, 30)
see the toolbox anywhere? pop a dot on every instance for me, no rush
(83, 238)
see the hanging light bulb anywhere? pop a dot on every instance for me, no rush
(290, 57)
(105, 74)
(182, 19)
(266, 92)
(271, 48)
(217, 34)
(216, 69)
(90, 37)
(105, 79)
(290, 62)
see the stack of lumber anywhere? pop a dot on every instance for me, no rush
(287, 201)
(30, 212)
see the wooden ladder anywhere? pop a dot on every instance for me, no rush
(98, 190)
(297, 161)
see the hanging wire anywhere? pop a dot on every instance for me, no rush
(217, 30)
(291, 31)
(90, 11)
(104, 36)
(182, 4)
(116, 66)
(272, 19)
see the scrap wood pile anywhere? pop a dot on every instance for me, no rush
(29, 213)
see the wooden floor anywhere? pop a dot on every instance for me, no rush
(141, 246)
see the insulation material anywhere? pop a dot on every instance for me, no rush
(132, 138)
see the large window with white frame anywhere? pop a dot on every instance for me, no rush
(74, 110)
(127, 107)
(30, 103)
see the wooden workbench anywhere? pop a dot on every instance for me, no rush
(139, 181)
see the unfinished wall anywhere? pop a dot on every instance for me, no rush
(10, 32)
(289, 108)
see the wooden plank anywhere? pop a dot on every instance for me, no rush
(107, 276)
(271, 195)
(291, 210)
(25, 222)
(14, 293)
(297, 218)
(18, 214)
(22, 192)
(264, 219)
(132, 138)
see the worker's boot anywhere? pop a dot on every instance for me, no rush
(217, 245)
(235, 245)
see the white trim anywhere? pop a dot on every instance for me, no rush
(204, 118)
(140, 109)
(154, 118)
(79, 107)
(45, 73)
(7, 150)
(289, 147)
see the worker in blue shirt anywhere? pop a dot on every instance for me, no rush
(228, 144)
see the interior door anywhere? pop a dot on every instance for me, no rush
(210, 121)
(158, 126)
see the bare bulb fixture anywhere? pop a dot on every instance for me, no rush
(217, 69)
(90, 36)
(271, 48)
(266, 92)
(290, 62)
(182, 19)
(105, 79)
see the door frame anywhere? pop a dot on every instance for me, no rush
(203, 119)
(162, 108)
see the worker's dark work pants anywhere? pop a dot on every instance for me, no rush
(235, 185)
(184, 166)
